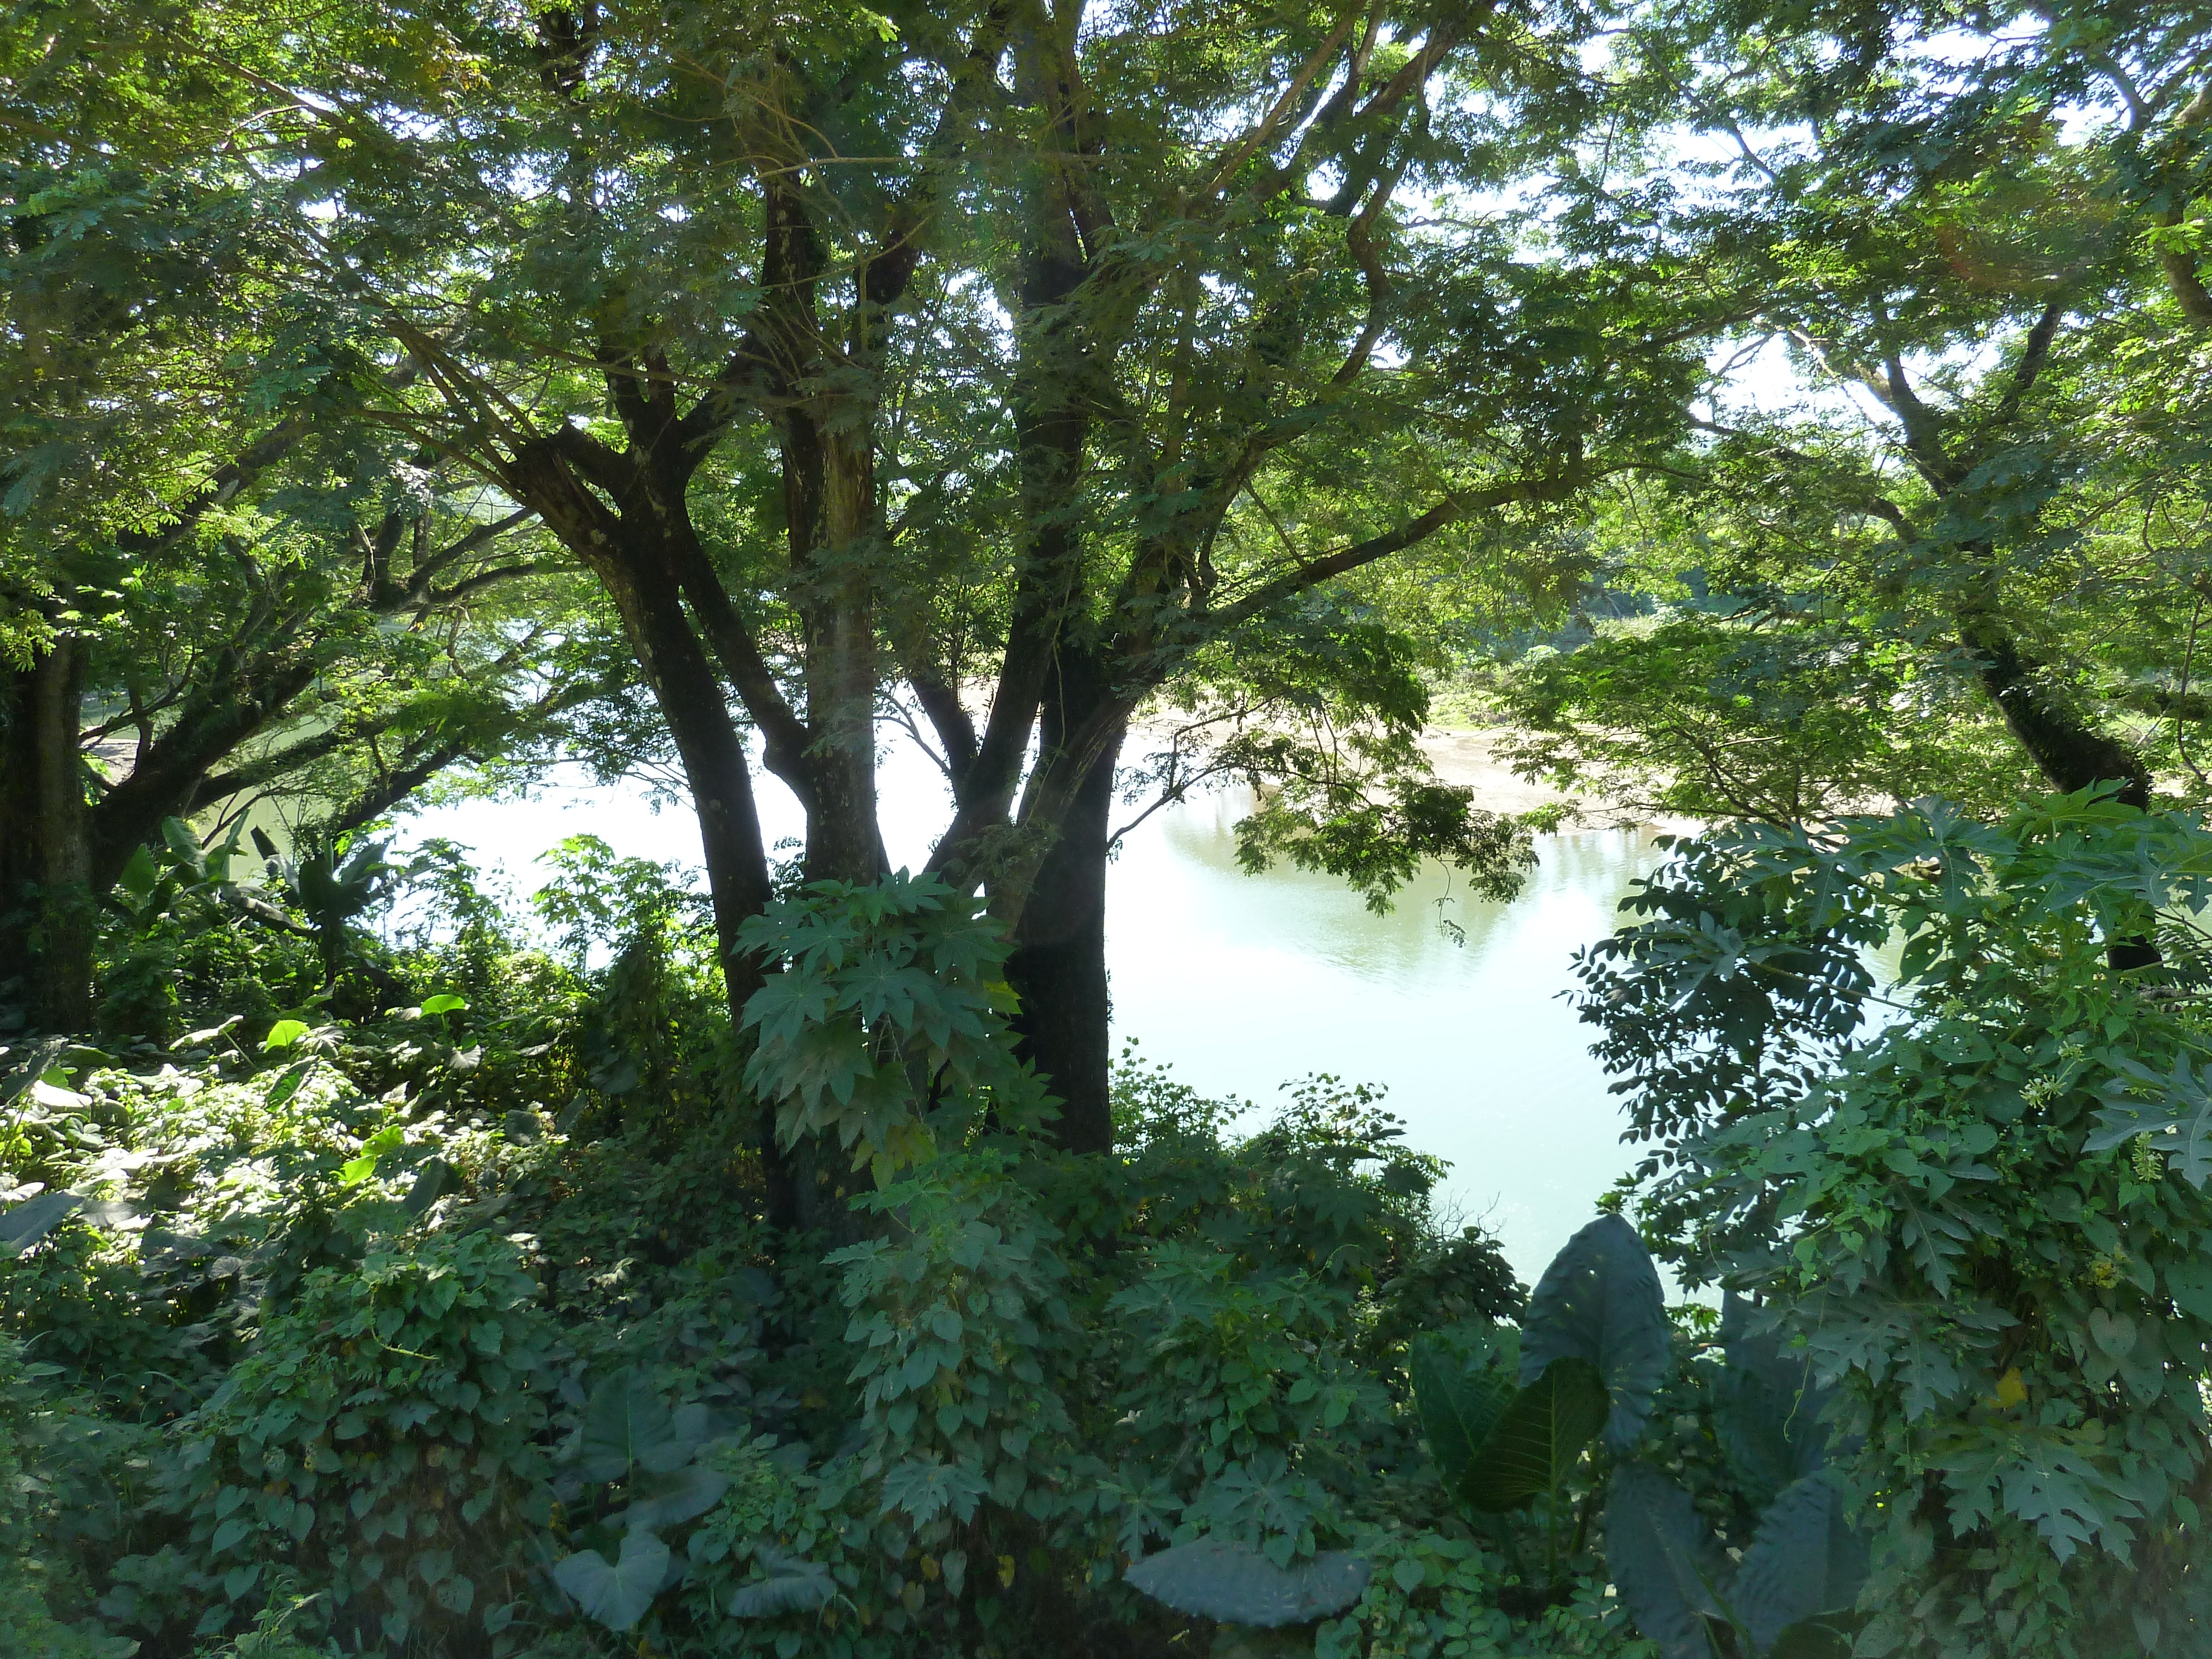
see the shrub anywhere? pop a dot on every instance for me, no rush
(1982, 1213)
(380, 1439)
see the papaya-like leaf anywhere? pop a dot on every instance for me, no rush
(1459, 1400)
(1663, 1561)
(1235, 1585)
(616, 1595)
(1537, 1439)
(1600, 1301)
(1805, 1559)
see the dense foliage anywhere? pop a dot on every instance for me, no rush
(1778, 416)
(1976, 1201)
(459, 1321)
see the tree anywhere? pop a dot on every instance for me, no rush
(259, 593)
(1047, 347)
(1975, 256)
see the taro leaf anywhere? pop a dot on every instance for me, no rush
(662, 1500)
(141, 871)
(24, 1224)
(1816, 1638)
(617, 1596)
(1537, 1439)
(1806, 1560)
(616, 1078)
(1767, 1408)
(794, 1584)
(288, 1085)
(1458, 1402)
(1600, 1301)
(626, 1425)
(430, 1181)
(1235, 1585)
(27, 1064)
(1663, 1559)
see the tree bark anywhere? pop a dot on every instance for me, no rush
(47, 918)
(2069, 752)
(641, 557)
(1058, 968)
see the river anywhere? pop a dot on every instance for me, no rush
(1243, 984)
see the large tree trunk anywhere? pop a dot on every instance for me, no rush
(1058, 965)
(1059, 969)
(2069, 752)
(829, 546)
(47, 917)
(639, 560)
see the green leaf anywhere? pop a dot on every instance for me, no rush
(1538, 1438)
(1600, 1301)
(430, 1182)
(793, 1585)
(625, 1424)
(1814, 1638)
(617, 1596)
(1806, 1560)
(446, 1003)
(925, 1488)
(1767, 1408)
(355, 1171)
(1458, 1401)
(141, 871)
(24, 1224)
(1663, 1559)
(1235, 1585)
(663, 1500)
(283, 1034)
(288, 1083)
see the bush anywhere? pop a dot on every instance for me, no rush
(380, 1439)
(1979, 1202)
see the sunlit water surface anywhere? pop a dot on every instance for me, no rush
(1242, 983)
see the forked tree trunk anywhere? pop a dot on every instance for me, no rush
(46, 919)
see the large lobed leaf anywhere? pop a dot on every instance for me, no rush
(1600, 1301)
(627, 1428)
(793, 1585)
(24, 1224)
(1663, 1561)
(1235, 1585)
(1807, 1559)
(618, 1594)
(1768, 1408)
(1538, 1438)
(1460, 1401)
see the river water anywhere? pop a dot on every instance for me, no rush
(1243, 984)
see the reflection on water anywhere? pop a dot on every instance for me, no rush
(1244, 983)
